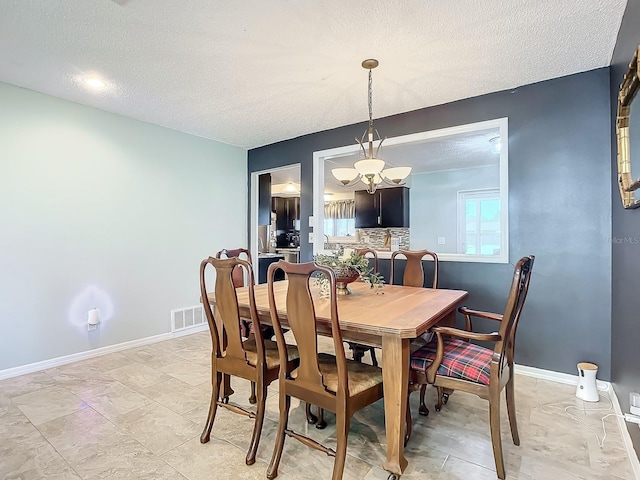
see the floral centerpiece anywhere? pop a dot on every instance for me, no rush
(348, 268)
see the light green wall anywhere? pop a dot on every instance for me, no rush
(101, 210)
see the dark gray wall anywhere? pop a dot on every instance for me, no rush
(625, 256)
(560, 206)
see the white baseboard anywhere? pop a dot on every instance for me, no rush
(96, 352)
(602, 386)
(557, 377)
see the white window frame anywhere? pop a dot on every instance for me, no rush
(478, 195)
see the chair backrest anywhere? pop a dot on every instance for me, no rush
(302, 321)
(238, 276)
(517, 296)
(364, 252)
(413, 271)
(225, 333)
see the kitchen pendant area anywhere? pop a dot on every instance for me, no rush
(278, 219)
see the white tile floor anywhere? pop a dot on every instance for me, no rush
(138, 415)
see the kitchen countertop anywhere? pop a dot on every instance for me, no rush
(270, 255)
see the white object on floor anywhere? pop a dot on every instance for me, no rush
(587, 389)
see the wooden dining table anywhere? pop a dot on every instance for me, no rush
(390, 319)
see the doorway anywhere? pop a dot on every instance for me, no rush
(275, 217)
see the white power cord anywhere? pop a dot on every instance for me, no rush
(604, 430)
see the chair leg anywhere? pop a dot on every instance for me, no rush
(252, 397)
(342, 431)
(374, 360)
(311, 418)
(227, 391)
(511, 410)
(423, 410)
(206, 433)
(358, 351)
(496, 441)
(440, 398)
(321, 423)
(445, 394)
(285, 404)
(257, 426)
(408, 427)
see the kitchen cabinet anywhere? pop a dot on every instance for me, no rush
(264, 199)
(287, 212)
(387, 207)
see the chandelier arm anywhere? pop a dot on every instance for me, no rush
(351, 183)
(364, 151)
(393, 184)
(379, 144)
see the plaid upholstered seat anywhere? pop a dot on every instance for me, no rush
(461, 359)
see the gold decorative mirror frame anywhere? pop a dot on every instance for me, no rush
(628, 89)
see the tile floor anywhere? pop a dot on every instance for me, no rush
(138, 415)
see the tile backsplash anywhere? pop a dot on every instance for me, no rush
(374, 238)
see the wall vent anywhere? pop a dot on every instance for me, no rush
(188, 317)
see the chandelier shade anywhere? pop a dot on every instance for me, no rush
(345, 175)
(371, 170)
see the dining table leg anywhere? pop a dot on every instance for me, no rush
(395, 377)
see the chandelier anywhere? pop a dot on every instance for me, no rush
(371, 170)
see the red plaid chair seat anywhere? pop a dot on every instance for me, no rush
(461, 360)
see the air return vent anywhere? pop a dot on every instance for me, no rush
(184, 318)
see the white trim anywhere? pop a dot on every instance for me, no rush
(557, 377)
(626, 438)
(96, 352)
(501, 123)
(254, 200)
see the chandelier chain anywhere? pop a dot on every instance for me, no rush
(370, 99)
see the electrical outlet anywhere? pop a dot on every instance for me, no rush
(634, 402)
(441, 240)
(632, 418)
(312, 237)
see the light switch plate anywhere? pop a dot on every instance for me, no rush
(312, 237)
(311, 220)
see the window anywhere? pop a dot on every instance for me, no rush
(340, 218)
(479, 222)
(339, 227)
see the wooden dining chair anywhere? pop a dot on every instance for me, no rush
(237, 277)
(330, 381)
(414, 277)
(357, 348)
(451, 361)
(413, 270)
(255, 359)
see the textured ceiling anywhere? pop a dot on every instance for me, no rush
(254, 72)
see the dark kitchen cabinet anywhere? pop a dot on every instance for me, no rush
(387, 207)
(287, 212)
(264, 199)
